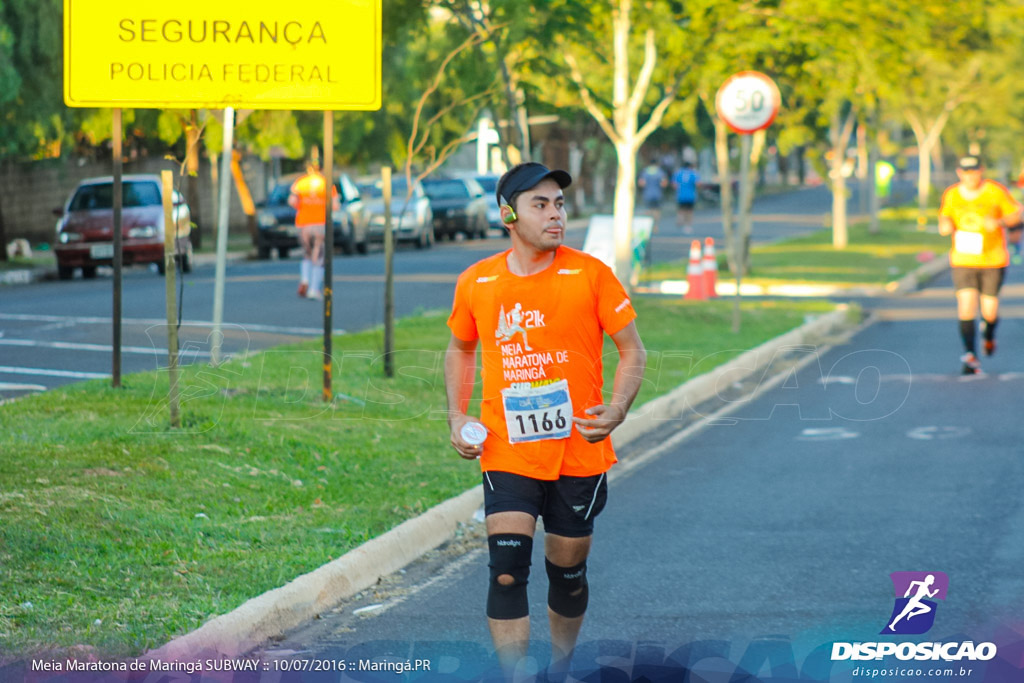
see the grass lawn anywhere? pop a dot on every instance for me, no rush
(869, 260)
(119, 533)
(40, 258)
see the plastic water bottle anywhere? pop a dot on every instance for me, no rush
(473, 433)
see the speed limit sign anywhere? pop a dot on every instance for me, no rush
(748, 101)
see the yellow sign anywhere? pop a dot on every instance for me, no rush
(251, 54)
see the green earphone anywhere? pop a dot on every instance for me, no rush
(511, 216)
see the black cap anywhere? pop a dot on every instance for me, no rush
(969, 163)
(524, 176)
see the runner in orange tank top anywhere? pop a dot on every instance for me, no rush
(538, 313)
(977, 213)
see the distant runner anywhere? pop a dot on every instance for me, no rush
(977, 212)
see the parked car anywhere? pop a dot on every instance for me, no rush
(489, 183)
(458, 205)
(85, 231)
(412, 220)
(275, 219)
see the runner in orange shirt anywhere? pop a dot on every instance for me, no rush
(977, 213)
(308, 198)
(539, 312)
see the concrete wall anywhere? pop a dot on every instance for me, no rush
(30, 191)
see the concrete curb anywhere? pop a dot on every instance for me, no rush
(281, 609)
(270, 614)
(907, 283)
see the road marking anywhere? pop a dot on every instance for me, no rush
(438, 278)
(151, 322)
(44, 372)
(829, 380)
(8, 386)
(70, 346)
(627, 466)
(827, 434)
(932, 432)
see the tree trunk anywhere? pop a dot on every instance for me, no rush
(873, 198)
(940, 168)
(840, 134)
(924, 179)
(840, 236)
(746, 223)
(3, 233)
(863, 168)
(725, 190)
(927, 139)
(625, 197)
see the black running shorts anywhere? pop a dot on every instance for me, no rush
(567, 504)
(988, 281)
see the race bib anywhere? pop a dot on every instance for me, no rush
(538, 413)
(968, 242)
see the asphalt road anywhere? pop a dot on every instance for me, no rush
(54, 333)
(750, 546)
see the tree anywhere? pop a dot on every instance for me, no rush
(33, 120)
(948, 65)
(429, 146)
(620, 116)
(766, 46)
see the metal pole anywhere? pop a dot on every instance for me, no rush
(170, 237)
(223, 206)
(745, 190)
(328, 288)
(389, 274)
(118, 255)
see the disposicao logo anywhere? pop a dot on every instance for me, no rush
(913, 614)
(916, 592)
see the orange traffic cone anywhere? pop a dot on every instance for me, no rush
(695, 273)
(710, 269)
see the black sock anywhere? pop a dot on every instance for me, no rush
(967, 334)
(988, 329)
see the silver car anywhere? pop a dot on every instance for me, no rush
(411, 216)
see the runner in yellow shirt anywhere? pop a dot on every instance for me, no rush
(977, 212)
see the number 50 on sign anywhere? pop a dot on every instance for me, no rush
(748, 101)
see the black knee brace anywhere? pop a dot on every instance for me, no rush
(510, 556)
(568, 592)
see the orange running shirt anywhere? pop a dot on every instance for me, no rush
(534, 331)
(312, 210)
(973, 246)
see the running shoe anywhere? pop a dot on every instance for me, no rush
(303, 287)
(971, 364)
(990, 347)
(313, 294)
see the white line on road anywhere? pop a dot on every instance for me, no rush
(95, 320)
(8, 386)
(45, 372)
(106, 348)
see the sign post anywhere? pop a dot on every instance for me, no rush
(748, 102)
